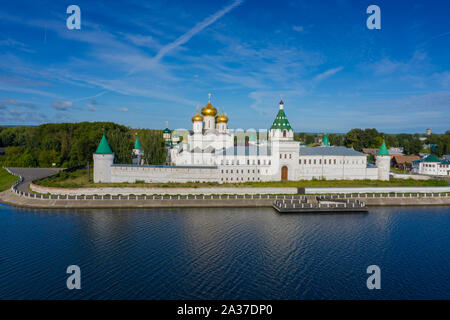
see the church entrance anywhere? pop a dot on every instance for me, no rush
(284, 173)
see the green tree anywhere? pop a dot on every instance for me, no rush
(413, 146)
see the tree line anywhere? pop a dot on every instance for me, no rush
(72, 144)
(371, 138)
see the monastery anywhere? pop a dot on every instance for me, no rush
(210, 152)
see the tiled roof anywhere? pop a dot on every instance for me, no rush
(370, 150)
(281, 121)
(432, 158)
(403, 159)
(329, 151)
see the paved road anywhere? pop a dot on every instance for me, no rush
(30, 174)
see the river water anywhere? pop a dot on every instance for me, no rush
(224, 253)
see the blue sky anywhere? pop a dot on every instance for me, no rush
(140, 63)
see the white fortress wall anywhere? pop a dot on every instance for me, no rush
(377, 190)
(131, 173)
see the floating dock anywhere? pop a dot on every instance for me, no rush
(317, 204)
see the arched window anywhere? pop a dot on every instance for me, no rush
(284, 133)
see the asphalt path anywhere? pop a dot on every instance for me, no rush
(30, 174)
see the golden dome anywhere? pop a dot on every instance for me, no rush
(209, 110)
(222, 118)
(197, 117)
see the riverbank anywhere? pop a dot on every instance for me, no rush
(212, 197)
(12, 198)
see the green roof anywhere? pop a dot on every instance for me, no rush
(383, 150)
(167, 130)
(251, 138)
(431, 158)
(325, 140)
(137, 145)
(281, 121)
(103, 146)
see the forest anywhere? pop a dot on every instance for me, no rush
(72, 144)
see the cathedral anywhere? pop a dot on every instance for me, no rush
(211, 152)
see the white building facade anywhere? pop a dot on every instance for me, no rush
(212, 152)
(432, 166)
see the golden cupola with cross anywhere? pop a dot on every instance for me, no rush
(222, 118)
(209, 114)
(221, 122)
(209, 110)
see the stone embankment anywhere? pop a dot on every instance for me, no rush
(205, 201)
(216, 197)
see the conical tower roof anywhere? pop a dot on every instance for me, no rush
(281, 121)
(325, 140)
(103, 146)
(137, 144)
(383, 150)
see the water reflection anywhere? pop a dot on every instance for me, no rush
(224, 253)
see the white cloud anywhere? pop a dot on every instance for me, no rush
(198, 28)
(62, 105)
(12, 102)
(324, 75)
(91, 107)
(298, 28)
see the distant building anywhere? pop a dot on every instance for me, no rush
(396, 151)
(404, 162)
(433, 166)
(370, 151)
(392, 151)
(167, 136)
(428, 132)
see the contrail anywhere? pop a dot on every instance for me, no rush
(198, 27)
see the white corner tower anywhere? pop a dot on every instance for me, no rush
(138, 153)
(383, 162)
(103, 160)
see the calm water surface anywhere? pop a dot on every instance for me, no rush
(224, 253)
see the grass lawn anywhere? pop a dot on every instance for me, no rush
(78, 179)
(6, 179)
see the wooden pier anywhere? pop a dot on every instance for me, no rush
(317, 204)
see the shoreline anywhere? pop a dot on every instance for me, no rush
(11, 198)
